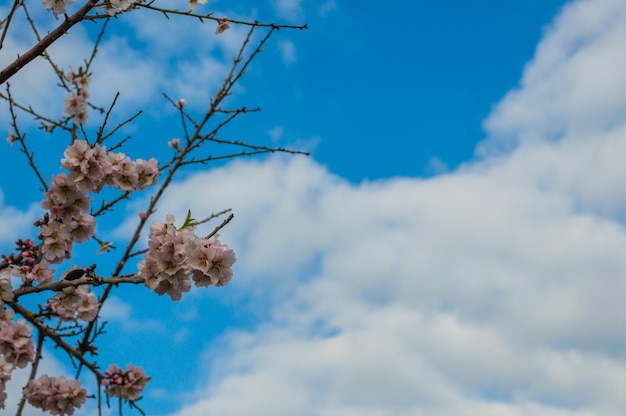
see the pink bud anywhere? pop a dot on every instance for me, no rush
(174, 143)
(142, 215)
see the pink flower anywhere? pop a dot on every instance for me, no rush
(222, 25)
(57, 243)
(76, 106)
(16, 343)
(11, 138)
(114, 7)
(56, 6)
(126, 384)
(174, 143)
(59, 396)
(147, 172)
(176, 255)
(42, 273)
(194, 3)
(74, 303)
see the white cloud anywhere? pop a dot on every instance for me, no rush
(436, 166)
(288, 9)
(119, 312)
(573, 86)
(493, 290)
(13, 222)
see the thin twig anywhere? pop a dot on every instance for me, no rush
(209, 16)
(21, 138)
(7, 22)
(50, 38)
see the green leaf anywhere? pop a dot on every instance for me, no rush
(189, 221)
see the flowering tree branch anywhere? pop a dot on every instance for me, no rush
(45, 43)
(175, 257)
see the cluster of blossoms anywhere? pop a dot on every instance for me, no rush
(57, 395)
(57, 6)
(76, 101)
(125, 384)
(74, 303)
(16, 348)
(16, 342)
(113, 7)
(175, 255)
(26, 266)
(68, 221)
(90, 168)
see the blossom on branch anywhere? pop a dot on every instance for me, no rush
(175, 255)
(222, 25)
(90, 168)
(57, 6)
(194, 3)
(113, 7)
(16, 342)
(76, 106)
(11, 138)
(57, 395)
(125, 384)
(74, 303)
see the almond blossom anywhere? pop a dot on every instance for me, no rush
(57, 6)
(16, 343)
(56, 395)
(176, 255)
(126, 384)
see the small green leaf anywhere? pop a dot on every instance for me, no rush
(189, 221)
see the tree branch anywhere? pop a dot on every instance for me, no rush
(40, 47)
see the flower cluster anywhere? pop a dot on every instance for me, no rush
(76, 101)
(126, 384)
(57, 6)
(113, 7)
(90, 168)
(57, 395)
(176, 255)
(26, 265)
(16, 342)
(222, 25)
(74, 303)
(69, 221)
(16, 348)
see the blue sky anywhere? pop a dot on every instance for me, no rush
(455, 245)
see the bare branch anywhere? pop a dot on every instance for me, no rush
(209, 16)
(5, 23)
(50, 38)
